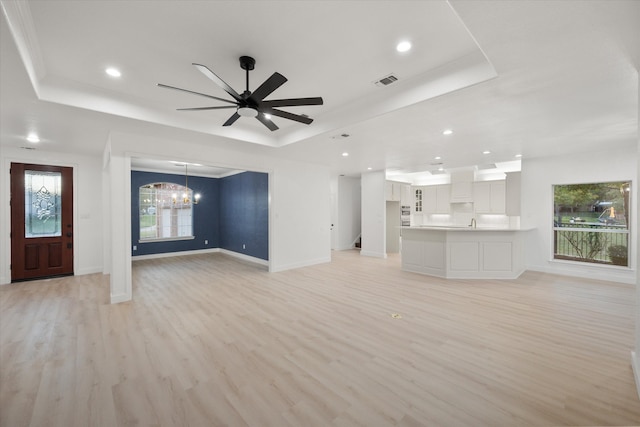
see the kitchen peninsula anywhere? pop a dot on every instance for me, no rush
(464, 252)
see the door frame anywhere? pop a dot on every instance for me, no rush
(5, 211)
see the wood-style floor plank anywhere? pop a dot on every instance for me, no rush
(209, 340)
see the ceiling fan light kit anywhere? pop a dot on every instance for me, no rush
(253, 104)
(247, 112)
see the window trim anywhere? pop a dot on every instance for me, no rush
(166, 239)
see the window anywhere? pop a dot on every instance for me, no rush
(591, 222)
(165, 212)
(418, 200)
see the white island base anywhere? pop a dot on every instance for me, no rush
(463, 253)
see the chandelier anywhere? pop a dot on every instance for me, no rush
(185, 196)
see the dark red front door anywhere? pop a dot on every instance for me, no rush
(41, 221)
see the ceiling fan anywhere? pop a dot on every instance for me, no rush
(253, 104)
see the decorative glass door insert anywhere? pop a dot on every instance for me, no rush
(42, 207)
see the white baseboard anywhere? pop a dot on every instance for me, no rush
(172, 254)
(202, 251)
(115, 299)
(606, 272)
(88, 270)
(4, 281)
(292, 266)
(245, 257)
(372, 254)
(636, 370)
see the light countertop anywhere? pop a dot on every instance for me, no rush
(463, 228)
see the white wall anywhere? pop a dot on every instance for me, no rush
(348, 212)
(88, 206)
(299, 198)
(373, 215)
(539, 176)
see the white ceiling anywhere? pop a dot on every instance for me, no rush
(536, 78)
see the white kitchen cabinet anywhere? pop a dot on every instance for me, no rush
(512, 205)
(482, 197)
(417, 203)
(388, 190)
(464, 253)
(443, 195)
(462, 187)
(397, 192)
(435, 199)
(429, 199)
(489, 197)
(405, 195)
(498, 197)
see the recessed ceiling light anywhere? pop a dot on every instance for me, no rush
(486, 152)
(518, 155)
(33, 137)
(113, 72)
(345, 154)
(403, 46)
(437, 158)
(447, 132)
(440, 169)
(369, 169)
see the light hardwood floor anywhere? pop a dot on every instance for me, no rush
(212, 341)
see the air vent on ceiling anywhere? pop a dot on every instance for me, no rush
(386, 80)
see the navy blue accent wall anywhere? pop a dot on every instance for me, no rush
(206, 219)
(244, 214)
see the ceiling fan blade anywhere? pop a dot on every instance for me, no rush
(197, 93)
(217, 80)
(272, 83)
(267, 122)
(286, 115)
(205, 108)
(232, 119)
(292, 102)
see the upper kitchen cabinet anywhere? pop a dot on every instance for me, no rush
(489, 197)
(405, 195)
(513, 194)
(398, 192)
(462, 187)
(443, 195)
(435, 199)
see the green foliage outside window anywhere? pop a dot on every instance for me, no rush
(591, 222)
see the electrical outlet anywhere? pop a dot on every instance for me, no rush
(206, 242)
(135, 248)
(244, 246)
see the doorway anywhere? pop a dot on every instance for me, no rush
(41, 221)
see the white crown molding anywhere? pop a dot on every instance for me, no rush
(21, 25)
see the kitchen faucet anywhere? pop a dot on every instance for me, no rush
(473, 223)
